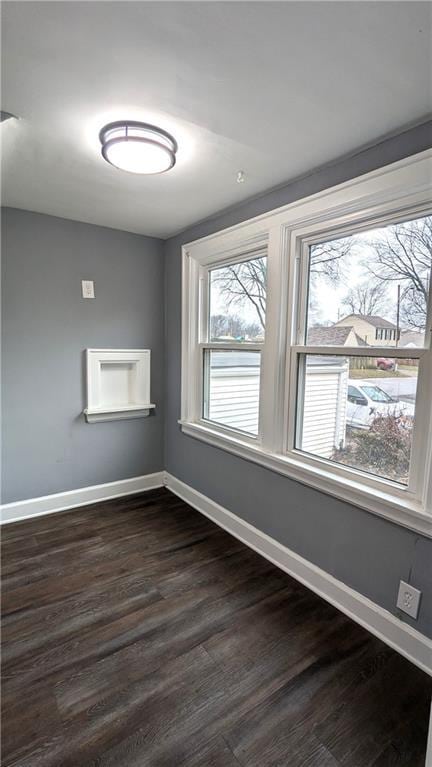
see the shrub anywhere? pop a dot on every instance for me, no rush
(383, 449)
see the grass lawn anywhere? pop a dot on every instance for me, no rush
(376, 373)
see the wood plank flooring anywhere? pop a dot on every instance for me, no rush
(136, 633)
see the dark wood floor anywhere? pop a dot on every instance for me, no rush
(137, 633)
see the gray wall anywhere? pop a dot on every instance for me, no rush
(47, 446)
(361, 549)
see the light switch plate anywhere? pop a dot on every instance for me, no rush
(408, 599)
(87, 289)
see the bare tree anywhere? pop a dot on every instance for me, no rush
(219, 326)
(327, 258)
(368, 298)
(232, 325)
(403, 255)
(244, 282)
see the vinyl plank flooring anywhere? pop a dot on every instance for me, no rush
(368, 709)
(138, 634)
(214, 754)
(407, 745)
(172, 629)
(282, 724)
(27, 629)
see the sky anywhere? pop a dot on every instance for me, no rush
(327, 298)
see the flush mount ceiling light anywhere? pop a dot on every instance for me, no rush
(138, 147)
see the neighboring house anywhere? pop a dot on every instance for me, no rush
(233, 389)
(411, 339)
(374, 330)
(324, 406)
(234, 382)
(334, 336)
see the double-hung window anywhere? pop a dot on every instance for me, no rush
(373, 433)
(307, 341)
(233, 329)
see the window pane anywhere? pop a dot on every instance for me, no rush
(238, 301)
(371, 289)
(231, 389)
(358, 411)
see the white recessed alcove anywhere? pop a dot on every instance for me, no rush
(118, 384)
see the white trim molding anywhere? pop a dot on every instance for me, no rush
(71, 499)
(348, 489)
(399, 635)
(390, 195)
(429, 742)
(410, 643)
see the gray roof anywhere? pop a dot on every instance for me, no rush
(373, 319)
(333, 335)
(328, 336)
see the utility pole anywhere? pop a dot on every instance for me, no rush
(398, 315)
(397, 322)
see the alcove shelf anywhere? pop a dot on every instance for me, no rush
(118, 384)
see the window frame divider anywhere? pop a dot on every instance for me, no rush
(396, 352)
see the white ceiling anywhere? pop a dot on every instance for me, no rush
(273, 89)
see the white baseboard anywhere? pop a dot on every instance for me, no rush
(48, 504)
(429, 742)
(387, 627)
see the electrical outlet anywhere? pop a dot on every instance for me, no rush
(408, 599)
(87, 288)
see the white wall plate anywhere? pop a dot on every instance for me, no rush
(118, 384)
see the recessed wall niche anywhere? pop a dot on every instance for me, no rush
(118, 384)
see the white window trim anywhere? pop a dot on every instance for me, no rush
(396, 189)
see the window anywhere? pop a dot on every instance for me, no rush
(354, 421)
(355, 396)
(306, 341)
(389, 272)
(236, 293)
(231, 388)
(237, 301)
(387, 269)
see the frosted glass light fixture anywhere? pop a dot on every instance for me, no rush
(138, 147)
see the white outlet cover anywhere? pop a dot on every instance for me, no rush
(87, 288)
(408, 599)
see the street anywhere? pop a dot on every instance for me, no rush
(400, 388)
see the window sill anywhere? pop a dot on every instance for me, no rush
(401, 510)
(115, 413)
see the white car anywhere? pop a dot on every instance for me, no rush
(366, 401)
